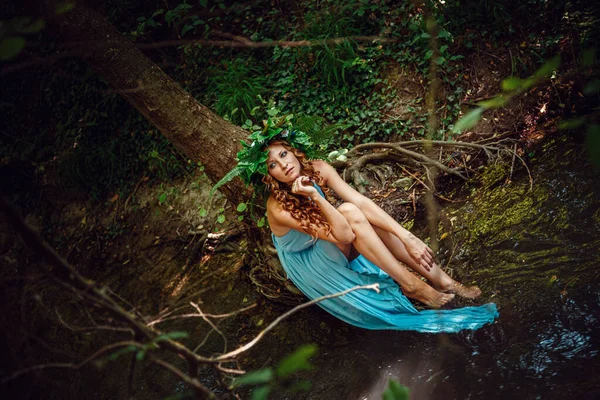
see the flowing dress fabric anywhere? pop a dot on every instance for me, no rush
(318, 268)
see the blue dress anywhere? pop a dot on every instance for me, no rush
(318, 268)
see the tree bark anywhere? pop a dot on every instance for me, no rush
(199, 133)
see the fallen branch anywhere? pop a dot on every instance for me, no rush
(272, 325)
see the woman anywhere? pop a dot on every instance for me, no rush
(326, 250)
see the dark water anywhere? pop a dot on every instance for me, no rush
(536, 254)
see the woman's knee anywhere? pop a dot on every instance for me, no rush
(352, 213)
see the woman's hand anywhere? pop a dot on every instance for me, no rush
(419, 251)
(302, 185)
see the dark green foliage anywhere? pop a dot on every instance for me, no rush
(97, 142)
(234, 88)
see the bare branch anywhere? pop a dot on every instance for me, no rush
(238, 42)
(230, 370)
(272, 325)
(212, 325)
(91, 328)
(160, 320)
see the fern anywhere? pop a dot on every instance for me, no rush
(231, 175)
(317, 128)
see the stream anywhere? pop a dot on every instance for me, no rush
(534, 253)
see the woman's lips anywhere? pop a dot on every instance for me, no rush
(288, 171)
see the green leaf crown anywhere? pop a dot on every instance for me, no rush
(252, 159)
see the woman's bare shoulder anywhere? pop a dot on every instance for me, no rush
(324, 169)
(274, 209)
(320, 164)
(280, 220)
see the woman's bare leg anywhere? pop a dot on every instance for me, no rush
(438, 278)
(370, 245)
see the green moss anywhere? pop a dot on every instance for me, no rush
(504, 213)
(493, 174)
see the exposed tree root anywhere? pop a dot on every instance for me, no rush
(400, 152)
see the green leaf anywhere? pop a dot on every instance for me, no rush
(468, 121)
(186, 28)
(171, 335)
(297, 361)
(23, 26)
(221, 219)
(140, 355)
(11, 46)
(254, 377)
(496, 102)
(396, 391)
(203, 212)
(203, 3)
(240, 218)
(261, 222)
(170, 16)
(548, 68)
(122, 351)
(444, 34)
(510, 84)
(162, 198)
(571, 123)
(242, 207)
(64, 7)
(261, 393)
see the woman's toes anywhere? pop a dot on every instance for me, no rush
(469, 292)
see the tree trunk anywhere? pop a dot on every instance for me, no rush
(199, 133)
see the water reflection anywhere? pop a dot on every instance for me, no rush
(535, 254)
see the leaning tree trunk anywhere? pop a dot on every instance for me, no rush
(199, 133)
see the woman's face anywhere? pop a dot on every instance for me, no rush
(282, 164)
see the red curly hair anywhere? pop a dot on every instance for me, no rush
(300, 207)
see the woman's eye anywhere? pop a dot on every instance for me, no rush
(283, 154)
(272, 165)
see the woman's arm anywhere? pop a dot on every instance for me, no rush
(281, 221)
(420, 252)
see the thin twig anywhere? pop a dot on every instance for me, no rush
(95, 355)
(212, 325)
(90, 328)
(160, 320)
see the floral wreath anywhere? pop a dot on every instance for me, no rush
(252, 159)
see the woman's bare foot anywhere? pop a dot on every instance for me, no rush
(469, 292)
(430, 297)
